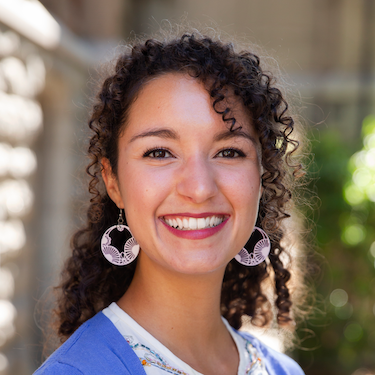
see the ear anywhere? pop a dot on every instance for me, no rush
(111, 183)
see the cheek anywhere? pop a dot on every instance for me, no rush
(144, 190)
(242, 185)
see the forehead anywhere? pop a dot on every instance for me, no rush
(176, 99)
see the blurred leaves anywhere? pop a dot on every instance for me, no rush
(345, 181)
(360, 189)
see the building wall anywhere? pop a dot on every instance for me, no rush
(42, 106)
(91, 19)
(324, 47)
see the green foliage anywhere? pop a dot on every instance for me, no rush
(360, 189)
(344, 322)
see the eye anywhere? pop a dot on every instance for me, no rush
(157, 153)
(230, 153)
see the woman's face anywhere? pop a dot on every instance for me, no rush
(190, 187)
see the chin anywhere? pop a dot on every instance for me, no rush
(197, 267)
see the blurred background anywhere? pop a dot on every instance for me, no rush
(49, 49)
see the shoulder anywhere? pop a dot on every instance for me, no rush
(57, 368)
(276, 363)
(95, 348)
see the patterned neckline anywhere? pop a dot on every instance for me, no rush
(152, 353)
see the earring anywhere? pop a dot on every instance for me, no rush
(260, 253)
(131, 248)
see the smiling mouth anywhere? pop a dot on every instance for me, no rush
(192, 223)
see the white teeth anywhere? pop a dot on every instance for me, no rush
(179, 221)
(185, 223)
(201, 223)
(212, 221)
(193, 223)
(170, 222)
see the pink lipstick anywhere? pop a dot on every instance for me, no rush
(195, 234)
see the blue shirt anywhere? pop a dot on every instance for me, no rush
(97, 348)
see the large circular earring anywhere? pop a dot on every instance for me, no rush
(260, 252)
(131, 247)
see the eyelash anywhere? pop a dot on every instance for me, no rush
(150, 151)
(240, 153)
(147, 154)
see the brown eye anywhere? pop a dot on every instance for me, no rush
(230, 153)
(158, 154)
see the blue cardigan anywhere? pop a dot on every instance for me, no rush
(97, 348)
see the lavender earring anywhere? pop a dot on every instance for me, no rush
(131, 248)
(260, 253)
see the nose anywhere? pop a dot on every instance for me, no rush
(197, 180)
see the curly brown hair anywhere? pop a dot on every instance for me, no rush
(90, 283)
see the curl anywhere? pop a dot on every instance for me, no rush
(89, 282)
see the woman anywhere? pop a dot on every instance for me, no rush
(193, 143)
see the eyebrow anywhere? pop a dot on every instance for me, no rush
(161, 133)
(234, 134)
(171, 134)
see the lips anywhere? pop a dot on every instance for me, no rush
(194, 227)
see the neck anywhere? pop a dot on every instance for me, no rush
(183, 312)
(168, 304)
